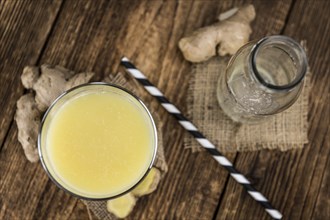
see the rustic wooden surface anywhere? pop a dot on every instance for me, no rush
(93, 35)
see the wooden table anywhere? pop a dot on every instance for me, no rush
(93, 35)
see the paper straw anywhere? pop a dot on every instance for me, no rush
(205, 143)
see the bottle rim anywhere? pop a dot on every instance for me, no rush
(301, 61)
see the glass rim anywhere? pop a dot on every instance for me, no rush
(155, 145)
(302, 62)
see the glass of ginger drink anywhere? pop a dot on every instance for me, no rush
(97, 141)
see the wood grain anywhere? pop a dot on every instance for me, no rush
(94, 35)
(24, 28)
(293, 180)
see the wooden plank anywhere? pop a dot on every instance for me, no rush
(24, 27)
(321, 208)
(295, 181)
(26, 191)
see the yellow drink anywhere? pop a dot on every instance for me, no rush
(99, 143)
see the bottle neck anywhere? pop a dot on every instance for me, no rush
(278, 63)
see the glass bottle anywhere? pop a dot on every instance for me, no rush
(263, 78)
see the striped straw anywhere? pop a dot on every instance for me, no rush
(222, 160)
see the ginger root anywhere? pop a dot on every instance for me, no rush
(224, 37)
(51, 83)
(149, 184)
(48, 83)
(121, 206)
(28, 119)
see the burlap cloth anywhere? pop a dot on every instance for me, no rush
(286, 130)
(99, 208)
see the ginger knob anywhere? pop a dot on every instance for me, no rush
(148, 184)
(224, 37)
(121, 206)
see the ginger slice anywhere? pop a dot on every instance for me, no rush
(224, 37)
(148, 184)
(122, 206)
